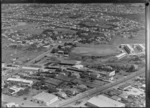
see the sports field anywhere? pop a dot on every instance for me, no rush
(96, 50)
(28, 28)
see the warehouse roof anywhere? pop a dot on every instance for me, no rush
(103, 101)
(20, 80)
(45, 97)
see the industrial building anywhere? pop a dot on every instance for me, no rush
(21, 81)
(120, 56)
(15, 89)
(103, 101)
(78, 66)
(62, 94)
(107, 73)
(45, 98)
(141, 47)
(3, 65)
(66, 62)
(128, 49)
(31, 68)
(12, 104)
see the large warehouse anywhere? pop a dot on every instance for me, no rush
(45, 98)
(103, 101)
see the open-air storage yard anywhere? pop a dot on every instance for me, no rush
(56, 55)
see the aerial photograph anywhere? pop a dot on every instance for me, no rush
(73, 55)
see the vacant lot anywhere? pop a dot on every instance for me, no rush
(96, 50)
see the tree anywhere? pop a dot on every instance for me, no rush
(133, 68)
(25, 98)
(59, 46)
(54, 59)
(53, 50)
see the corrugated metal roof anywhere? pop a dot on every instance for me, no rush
(45, 97)
(103, 101)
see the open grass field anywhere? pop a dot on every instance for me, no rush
(97, 50)
(140, 38)
(27, 28)
(8, 53)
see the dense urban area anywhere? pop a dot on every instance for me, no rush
(73, 55)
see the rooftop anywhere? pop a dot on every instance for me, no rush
(103, 101)
(43, 96)
(16, 89)
(20, 80)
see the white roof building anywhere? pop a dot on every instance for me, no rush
(30, 68)
(30, 82)
(103, 101)
(121, 55)
(142, 46)
(3, 65)
(78, 66)
(129, 46)
(16, 89)
(46, 98)
(12, 104)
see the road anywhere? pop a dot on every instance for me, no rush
(17, 70)
(94, 91)
(87, 93)
(84, 100)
